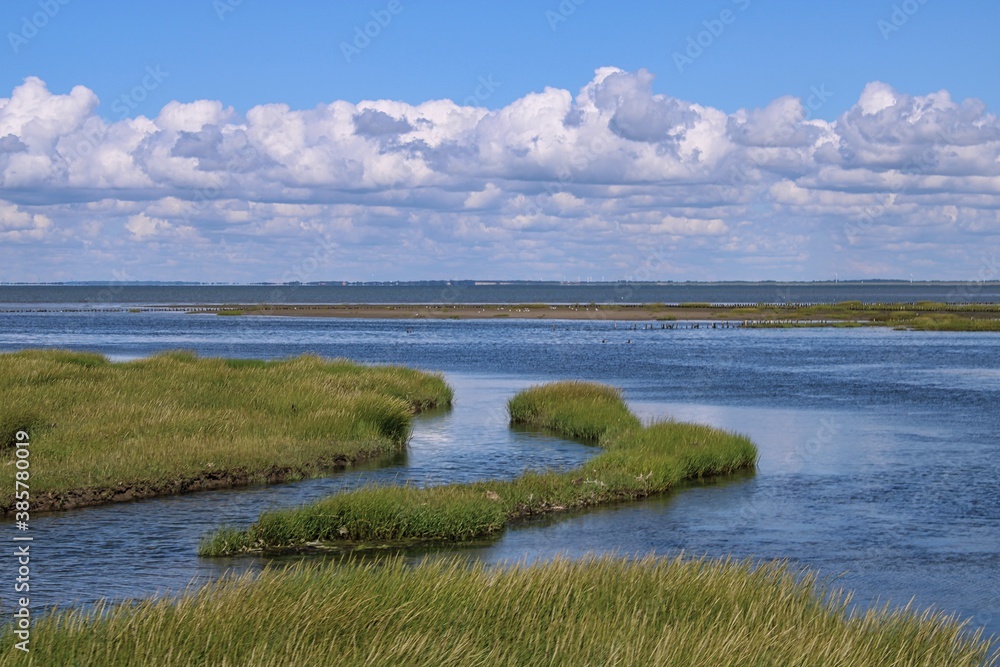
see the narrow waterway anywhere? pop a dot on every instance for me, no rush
(148, 547)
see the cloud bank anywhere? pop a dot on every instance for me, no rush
(614, 181)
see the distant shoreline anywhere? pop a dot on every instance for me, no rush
(502, 283)
(537, 311)
(921, 316)
(471, 294)
(924, 315)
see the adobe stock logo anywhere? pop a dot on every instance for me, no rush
(482, 92)
(698, 43)
(363, 35)
(30, 25)
(223, 7)
(126, 103)
(562, 13)
(899, 17)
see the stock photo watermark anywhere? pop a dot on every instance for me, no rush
(989, 270)
(807, 451)
(22, 540)
(365, 34)
(561, 14)
(817, 97)
(93, 134)
(743, 173)
(916, 166)
(111, 293)
(124, 104)
(899, 16)
(483, 91)
(224, 7)
(203, 197)
(698, 43)
(33, 24)
(652, 267)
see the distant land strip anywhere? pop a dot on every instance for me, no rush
(924, 315)
(929, 316)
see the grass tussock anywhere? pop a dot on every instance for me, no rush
(596, 611)
(949, 322)
(580, 410)
(638, 461)
(921, 316)
(156, 422)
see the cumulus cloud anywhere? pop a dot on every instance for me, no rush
(691, 227)
(922, 135)
(17, 225)
(12, 144)
(144, 228)
(587, 175)
(375, 123)
(781, 123)
(484, 198)
(636, 113)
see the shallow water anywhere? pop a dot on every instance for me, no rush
(879, 453)
(145, 547)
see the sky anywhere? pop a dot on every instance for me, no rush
(247, 141)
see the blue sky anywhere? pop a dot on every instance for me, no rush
(732, 139)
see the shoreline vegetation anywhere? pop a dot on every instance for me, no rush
(638, 461)
(922, 316)
(174, 422)
(594, 611)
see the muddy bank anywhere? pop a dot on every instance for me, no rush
(216, 479)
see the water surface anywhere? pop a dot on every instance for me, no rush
(879, 453)
(471, 292)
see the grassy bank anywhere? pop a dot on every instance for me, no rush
(638, 461)
(103, 431)
(602, 611)
(927, 316)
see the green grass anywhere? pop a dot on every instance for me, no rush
(596, 611)
(579, 410)
(638, 461)
(920, 316)
(97, 426)
(950, 322)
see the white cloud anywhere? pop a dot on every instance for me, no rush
(876, 97)
(178, 117)
(17, 225)
(781, 123)
(142, 226)
(485, 198)
(567, 172)
(691, 227)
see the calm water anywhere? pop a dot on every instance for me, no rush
(468, 292)
(879, 449)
